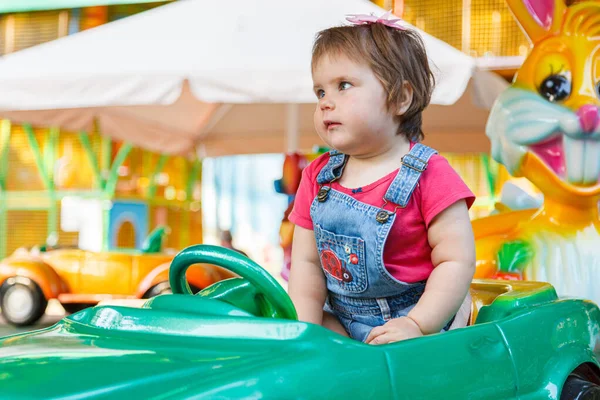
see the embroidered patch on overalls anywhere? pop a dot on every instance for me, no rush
(332, 264)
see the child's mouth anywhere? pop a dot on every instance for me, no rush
(331, 124)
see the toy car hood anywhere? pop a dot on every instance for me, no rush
(117, 351)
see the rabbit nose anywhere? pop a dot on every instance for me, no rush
(589, 117)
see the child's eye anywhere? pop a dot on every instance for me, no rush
(345, 85)
(320, 93)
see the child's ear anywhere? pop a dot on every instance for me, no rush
(407, 98)
(538, 18)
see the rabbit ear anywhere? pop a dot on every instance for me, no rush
(538, 18)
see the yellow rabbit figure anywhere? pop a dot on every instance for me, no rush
(546, 128)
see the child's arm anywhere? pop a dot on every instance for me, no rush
(307, 286)
(453, 255)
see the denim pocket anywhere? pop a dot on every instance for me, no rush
(343, 260)
(357, 329)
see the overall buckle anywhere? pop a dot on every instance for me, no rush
(414, 165)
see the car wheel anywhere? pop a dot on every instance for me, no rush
(72, 308)
(578, 388)
(22, 301)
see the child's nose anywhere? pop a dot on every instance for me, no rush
(589, 117)
(327, 104)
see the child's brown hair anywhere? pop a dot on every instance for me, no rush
(394, 55)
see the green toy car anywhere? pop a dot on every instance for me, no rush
(240, 338)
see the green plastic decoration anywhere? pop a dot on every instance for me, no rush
(514, 256)
(37, 155)
(93, 160)
(162, 160)
(154, 241)
(113, 177)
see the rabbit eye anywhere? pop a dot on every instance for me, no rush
(555, 88)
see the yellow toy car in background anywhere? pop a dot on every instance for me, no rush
(79, 278)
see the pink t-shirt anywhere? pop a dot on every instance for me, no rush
(409, 259)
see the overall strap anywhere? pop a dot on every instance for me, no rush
(413, 165)
(333, 169)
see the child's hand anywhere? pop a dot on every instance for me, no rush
(394, 330)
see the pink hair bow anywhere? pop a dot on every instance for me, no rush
(364, 19)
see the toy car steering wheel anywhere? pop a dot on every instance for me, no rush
(265, 285)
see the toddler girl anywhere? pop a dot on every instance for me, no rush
(383, 248)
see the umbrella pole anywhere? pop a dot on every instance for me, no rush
(292, 127)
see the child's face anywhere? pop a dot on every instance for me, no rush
(351, 115)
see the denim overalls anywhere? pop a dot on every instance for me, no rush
(350, 238)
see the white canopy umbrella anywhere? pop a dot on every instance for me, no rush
(225, 77)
